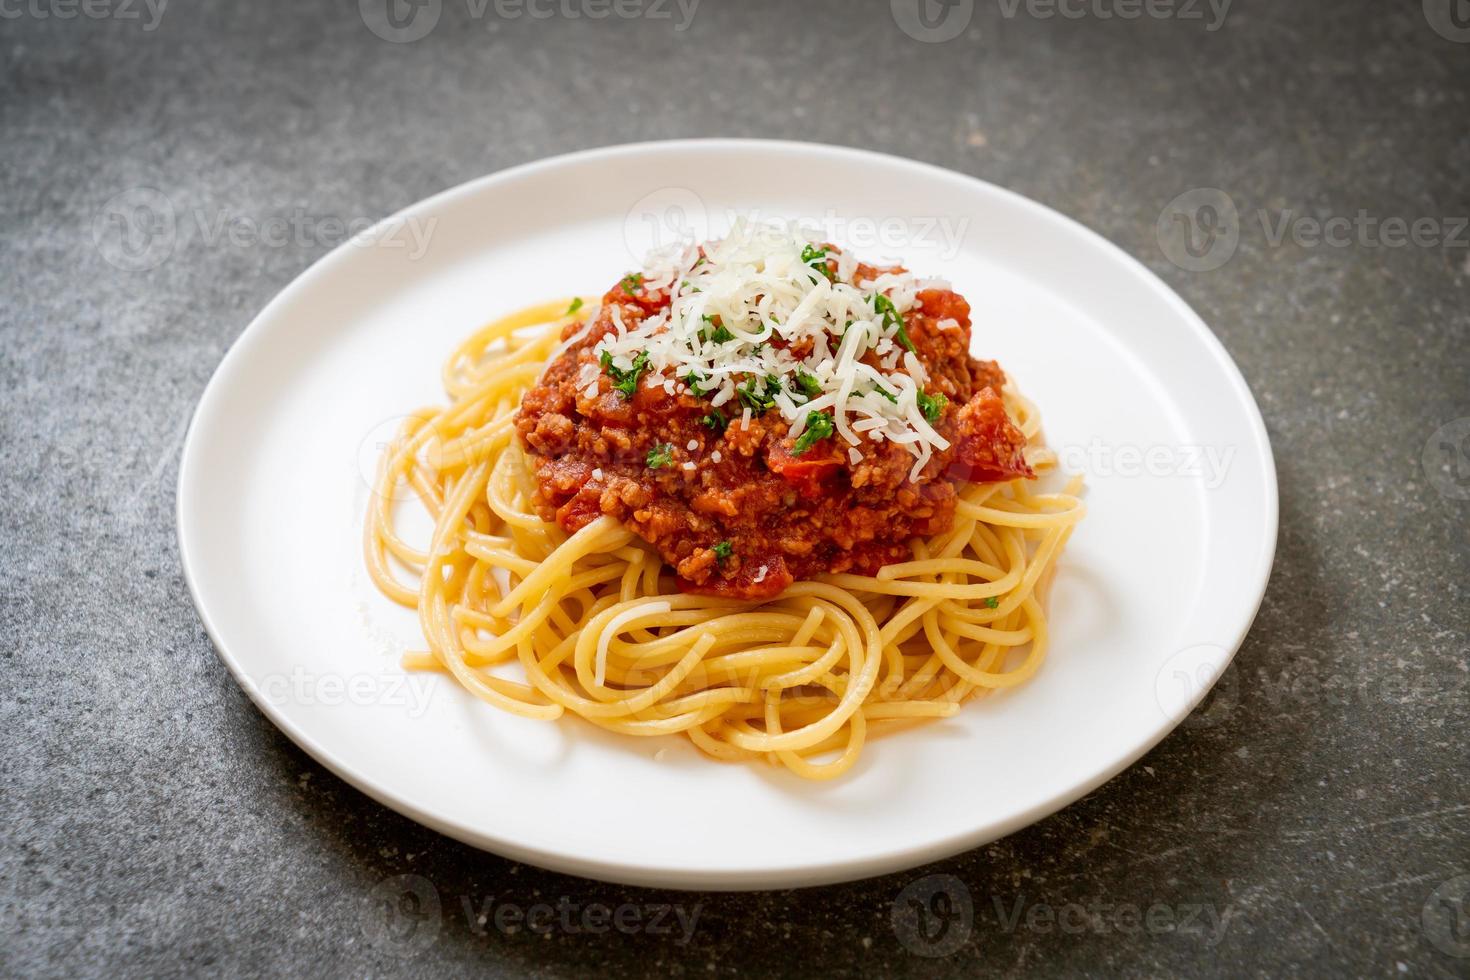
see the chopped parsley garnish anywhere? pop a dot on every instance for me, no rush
(932, 407)
(723, 550)
(758, 393)
(884, 307)
(808, 384)
(632, 283)
(817, 259)
(625, 381)
(576, 305)
(992, 603)
(715, 421)
(720, 334)
(661, 455)
(879, 389)
(818, 427)
(693, 381)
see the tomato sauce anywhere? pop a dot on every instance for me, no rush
(750, 516)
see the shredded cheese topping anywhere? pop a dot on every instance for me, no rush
(731, 298)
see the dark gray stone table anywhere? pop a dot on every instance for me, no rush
(1312, 821)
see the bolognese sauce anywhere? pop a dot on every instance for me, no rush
(726, 471)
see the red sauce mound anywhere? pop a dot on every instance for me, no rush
(760, 517)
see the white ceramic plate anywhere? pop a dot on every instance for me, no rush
(1155, 591)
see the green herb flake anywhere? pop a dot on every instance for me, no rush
(808, 384)
(723, 550)
(693, 381)
(818, 427)
(720, 334)
(625, 382)
(661, 455)
(932, 407)
(632, 283)
(715, 421)
(817, 259)
(992, 603)
(884, 307)
(576, 305)
(880, 390)
(756, 393)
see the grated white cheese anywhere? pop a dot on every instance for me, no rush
(753, 287)
(693, 445)
(759, 577)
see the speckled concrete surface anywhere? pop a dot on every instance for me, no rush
(1312, 822)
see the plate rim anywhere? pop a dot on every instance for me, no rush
(786, 876)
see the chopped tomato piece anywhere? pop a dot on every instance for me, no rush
(581, 510)
(806, 472)
(945, 304)
(991, 448)
(771, 570)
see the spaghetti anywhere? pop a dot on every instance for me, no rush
(596, 625)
